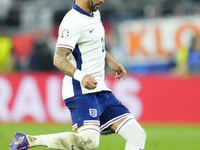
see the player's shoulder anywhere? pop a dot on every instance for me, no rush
(70, 18)
(71, 15)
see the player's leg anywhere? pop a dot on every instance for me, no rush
(132, 132)
(117, 118)
(87, 138)
(85, 121)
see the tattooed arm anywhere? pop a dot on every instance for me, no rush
(115, 66)
(62, 62)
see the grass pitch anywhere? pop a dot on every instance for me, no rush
(159, 137)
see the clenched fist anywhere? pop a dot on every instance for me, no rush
(89, 82)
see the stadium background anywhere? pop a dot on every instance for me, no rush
(147, 37)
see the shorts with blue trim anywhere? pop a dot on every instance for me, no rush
(101, 108)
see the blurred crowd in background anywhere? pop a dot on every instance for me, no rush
(29, 30)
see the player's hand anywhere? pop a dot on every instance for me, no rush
(120, 72)
(89, 82)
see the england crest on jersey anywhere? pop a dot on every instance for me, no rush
(93, 112)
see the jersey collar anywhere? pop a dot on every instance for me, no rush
(74, 6)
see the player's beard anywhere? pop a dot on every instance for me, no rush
(91, 6)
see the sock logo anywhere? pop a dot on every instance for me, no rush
(72, 147)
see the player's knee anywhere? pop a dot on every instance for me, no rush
(131, 129)
(90, 136)
(142, 134)
(137, 130)
(91, 144)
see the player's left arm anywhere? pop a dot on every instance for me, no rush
(115, 66)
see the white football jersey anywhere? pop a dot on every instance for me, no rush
(84, 35)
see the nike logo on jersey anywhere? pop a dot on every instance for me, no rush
(72, 147)
(91, 30)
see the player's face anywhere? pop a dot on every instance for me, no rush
(93, 5)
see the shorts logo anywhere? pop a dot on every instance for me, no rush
(65, 34)
(93, 112)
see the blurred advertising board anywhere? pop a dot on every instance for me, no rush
(150, 41)
(36, 97)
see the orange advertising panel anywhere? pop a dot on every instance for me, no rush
(157, 39)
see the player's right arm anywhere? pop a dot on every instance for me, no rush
(62, 62)
(64, 65)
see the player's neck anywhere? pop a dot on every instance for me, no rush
(83, 6)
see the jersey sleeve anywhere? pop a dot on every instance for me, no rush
(69, 33)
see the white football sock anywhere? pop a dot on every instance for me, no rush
(91, 136)
(133, 133)
(87, 139)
